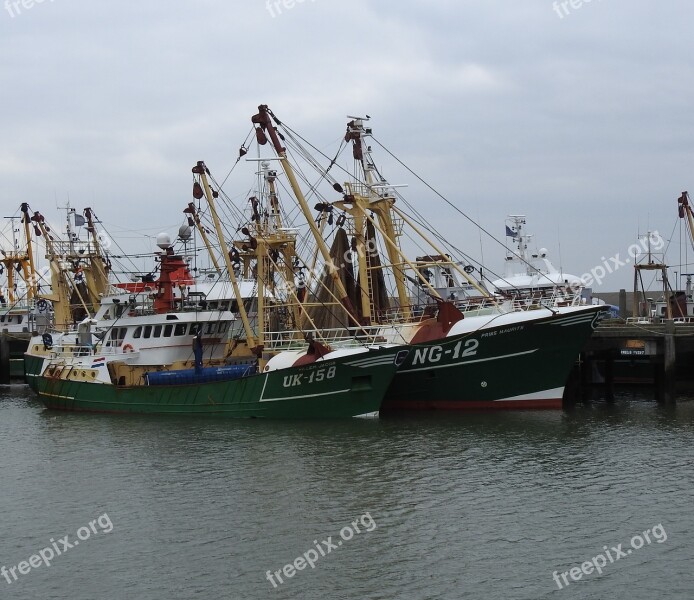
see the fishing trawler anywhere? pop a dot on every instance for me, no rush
(672, 302)
(492, 357)
(151, 323)
(19, 312)
(299, 376)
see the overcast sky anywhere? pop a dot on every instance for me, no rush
(579, 118)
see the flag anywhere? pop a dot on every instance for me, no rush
(79, 220)
(510, 232)
(98, 362)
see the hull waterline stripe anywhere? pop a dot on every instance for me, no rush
(371, 363)
(573, 320)
(56, 396)
(468, 362)
(551, 394)
(304, 396)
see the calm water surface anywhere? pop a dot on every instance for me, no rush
(480, 507)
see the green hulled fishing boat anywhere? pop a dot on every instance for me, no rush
(126, 365)
(470, 348)
(350, 384)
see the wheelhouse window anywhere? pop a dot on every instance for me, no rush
(117, 336)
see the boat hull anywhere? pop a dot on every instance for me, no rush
(512, 366)
(342, 387)
(33, 365)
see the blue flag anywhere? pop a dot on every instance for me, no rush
(510, 232)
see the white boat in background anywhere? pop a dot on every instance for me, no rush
(153, 322)
(529, 275)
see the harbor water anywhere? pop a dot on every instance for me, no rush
(430, 506)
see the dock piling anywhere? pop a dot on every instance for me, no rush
(4, 359)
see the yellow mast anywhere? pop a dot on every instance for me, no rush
(20, 260)
(355, 131)
(686, 210)
(60, 292)
(386, 208)
(280, 241)
(97, 274)
(201, 170)
(262, 119)
(364, 297)
(31, 277)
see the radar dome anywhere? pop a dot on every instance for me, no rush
(164, 241)
(184, 232)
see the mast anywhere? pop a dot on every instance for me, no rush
(195, 218)
(201, 170)
(685, 210)
(280, 242)
(264, 124)
(357, 132)
(651, 265)
(31, 280)
(9, 262)
(361, 153)
(97, 279)
(60, 292)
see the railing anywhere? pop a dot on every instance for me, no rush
(421, 312)
(335, 338)
(72, 350)
(658, 321)
(639, 320)
(546, 300)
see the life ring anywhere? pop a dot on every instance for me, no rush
(42, 305)
(128, 348)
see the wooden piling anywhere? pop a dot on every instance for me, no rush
(669, 361)
(4, 359)
(623, 304)
(609, 377)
